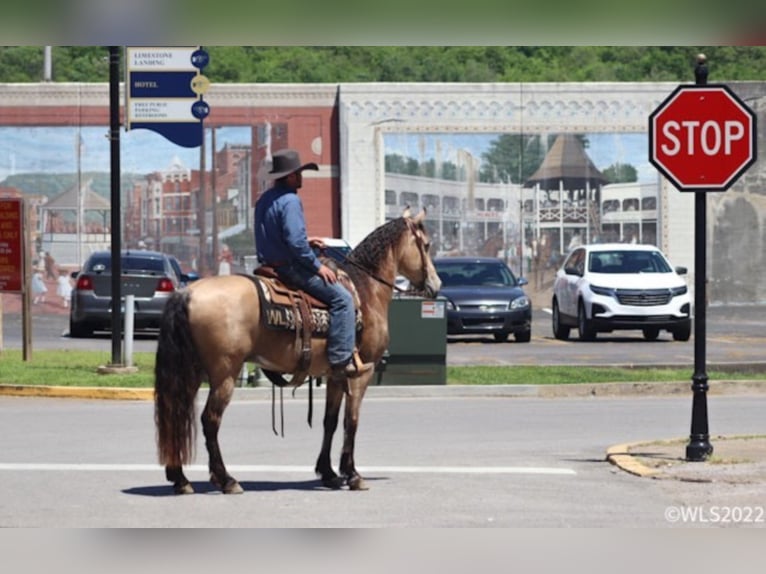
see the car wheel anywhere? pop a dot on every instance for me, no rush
(501, 337)
(587, 332)
(79, 330)
(559, 331)
(682, 333)
(651, 333)
(523, 336)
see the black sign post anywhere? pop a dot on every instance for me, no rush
(699, 447)
(114, 141)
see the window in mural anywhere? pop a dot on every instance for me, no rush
(64, 172)
(524, 196)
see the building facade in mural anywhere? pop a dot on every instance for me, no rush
(192, 206)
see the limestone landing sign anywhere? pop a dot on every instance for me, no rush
(165, 92)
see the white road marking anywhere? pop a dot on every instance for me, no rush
(85, 467)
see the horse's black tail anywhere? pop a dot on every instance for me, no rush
(177, 377)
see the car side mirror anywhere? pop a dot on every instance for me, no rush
(521, 281)
(681, 270)
(190, 276)
(571, 271)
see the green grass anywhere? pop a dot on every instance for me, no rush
(72, 369)
(559, 375)
(79, 368)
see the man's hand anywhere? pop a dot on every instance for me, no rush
(317, 242)
(327, 274)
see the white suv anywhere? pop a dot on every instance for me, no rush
(617, 286)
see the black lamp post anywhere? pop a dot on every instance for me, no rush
(699, 447)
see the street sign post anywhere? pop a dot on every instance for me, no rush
(702, 138)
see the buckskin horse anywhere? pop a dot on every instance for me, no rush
(211, 328)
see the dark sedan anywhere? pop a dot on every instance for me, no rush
(147, 275)
(484, 297)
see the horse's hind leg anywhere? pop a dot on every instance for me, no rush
(218, 399)
(333, 399)
(181, 484)
(357, 387)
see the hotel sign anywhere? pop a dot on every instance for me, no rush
(165, 89)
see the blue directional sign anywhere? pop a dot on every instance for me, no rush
(165, 92)
(162, 84)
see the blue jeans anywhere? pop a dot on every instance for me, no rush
(341, 338)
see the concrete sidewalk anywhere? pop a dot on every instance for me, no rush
(735, 460)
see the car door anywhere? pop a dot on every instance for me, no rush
(573, 269)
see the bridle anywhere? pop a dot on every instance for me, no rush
(421, 248)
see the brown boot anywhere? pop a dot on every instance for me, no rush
(354, 367)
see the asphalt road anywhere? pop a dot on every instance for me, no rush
(430, 462)
(734, 335)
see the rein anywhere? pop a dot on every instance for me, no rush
(361, 267)
(418, 240)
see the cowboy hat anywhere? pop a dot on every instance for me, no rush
(287, 161)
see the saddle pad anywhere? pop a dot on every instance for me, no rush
(278, 312)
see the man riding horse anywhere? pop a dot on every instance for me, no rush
(282, 243)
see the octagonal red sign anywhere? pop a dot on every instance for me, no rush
(702, 137)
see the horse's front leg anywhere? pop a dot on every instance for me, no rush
(357, 388)
(333, 399)
(218, 399)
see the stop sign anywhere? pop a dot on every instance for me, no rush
(702, 137)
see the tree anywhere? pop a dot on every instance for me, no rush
(512, 158)
(342, 64)
(620, 173)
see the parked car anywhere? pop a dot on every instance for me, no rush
(183, 278)
(337, 249)
(484, 297)
(617, 286)
(147, 275)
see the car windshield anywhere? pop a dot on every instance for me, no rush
(454, 274)
(335, 249)
(628, 261)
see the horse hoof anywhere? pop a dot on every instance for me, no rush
(233, 487)
(357, 483)
(183, 488)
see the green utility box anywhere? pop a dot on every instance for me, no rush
(417, 349)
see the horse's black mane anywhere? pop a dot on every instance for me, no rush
(373, 248)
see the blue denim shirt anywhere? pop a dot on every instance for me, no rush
(280, 230)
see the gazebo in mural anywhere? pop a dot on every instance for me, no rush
(566, 195)
(74, 224)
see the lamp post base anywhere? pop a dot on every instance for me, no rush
(698, 449)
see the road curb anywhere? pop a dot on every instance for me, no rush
(412, 391)
(619, 455)
(104, 393)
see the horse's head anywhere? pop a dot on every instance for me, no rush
(414, 261)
